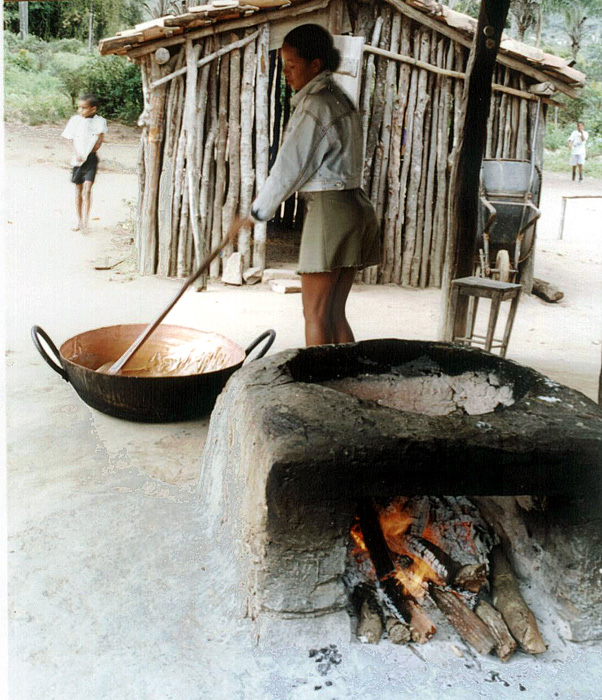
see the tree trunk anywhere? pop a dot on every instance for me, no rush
(464, 181)
(23, 20)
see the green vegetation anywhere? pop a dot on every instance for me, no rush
(70, 18)
(43, 79)
(557, 152)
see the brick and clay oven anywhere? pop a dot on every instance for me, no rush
(298, 438)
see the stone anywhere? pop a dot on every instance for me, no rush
(252, 276)
(277, 273)
(286, 286)
(233, 270)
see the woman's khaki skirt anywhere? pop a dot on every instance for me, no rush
(340, 230)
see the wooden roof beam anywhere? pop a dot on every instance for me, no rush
(232, 25)
(455, 35)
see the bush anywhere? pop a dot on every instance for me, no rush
(117, 84)
(34, 97)
(556, 137)
(44, 79)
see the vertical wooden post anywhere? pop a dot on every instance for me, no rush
(262, 142)
(147, 239)
(231, 205)
(247, 172)
(220, 160)
(537, 129)
(464, 181)
(335, 16)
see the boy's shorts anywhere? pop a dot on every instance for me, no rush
(577, 158)
(86, 172)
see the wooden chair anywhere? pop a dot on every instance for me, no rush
(480, 287)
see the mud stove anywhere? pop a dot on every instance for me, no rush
(309, 450)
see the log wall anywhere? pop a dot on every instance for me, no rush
(211, 133)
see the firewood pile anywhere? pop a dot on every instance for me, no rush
(418, 552)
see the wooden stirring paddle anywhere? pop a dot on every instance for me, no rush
(143, 337)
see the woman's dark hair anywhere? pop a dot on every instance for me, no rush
(313, 41)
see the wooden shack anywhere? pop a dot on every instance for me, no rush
(216, 108)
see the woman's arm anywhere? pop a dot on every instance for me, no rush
(301, 154)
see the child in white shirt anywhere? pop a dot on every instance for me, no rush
(577, 142)
(86, 131)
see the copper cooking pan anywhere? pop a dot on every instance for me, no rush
(177, 374)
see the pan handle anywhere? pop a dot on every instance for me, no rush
(37, 331)
(270, 335)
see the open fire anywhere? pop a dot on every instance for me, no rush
(422, 551)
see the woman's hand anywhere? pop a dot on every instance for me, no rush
(237, 224)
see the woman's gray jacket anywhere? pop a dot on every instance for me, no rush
(321, 150)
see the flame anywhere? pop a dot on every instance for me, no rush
(415, 578)
(395, 520)
(358, 538)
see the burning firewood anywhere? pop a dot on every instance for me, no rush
(397, 631)
(471, 577)
(370, 626)
(421, 625)
(471, 628)
(510, 603)
(505, 645)
(384, 567)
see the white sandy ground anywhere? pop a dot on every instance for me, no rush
(112, 591)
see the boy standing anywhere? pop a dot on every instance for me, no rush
(86, 132)
(577, 145)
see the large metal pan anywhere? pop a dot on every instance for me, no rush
(143, 393)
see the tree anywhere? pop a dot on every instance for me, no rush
(70, 19)
(526, 14)
(575, 14)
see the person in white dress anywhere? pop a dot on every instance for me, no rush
(86, 131)
(577, 141)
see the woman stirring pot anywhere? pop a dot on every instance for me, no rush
(321, 158)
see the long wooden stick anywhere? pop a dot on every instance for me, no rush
(207, 59)
(146, 333)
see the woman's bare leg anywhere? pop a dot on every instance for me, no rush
(341, 329)
(317, 291)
